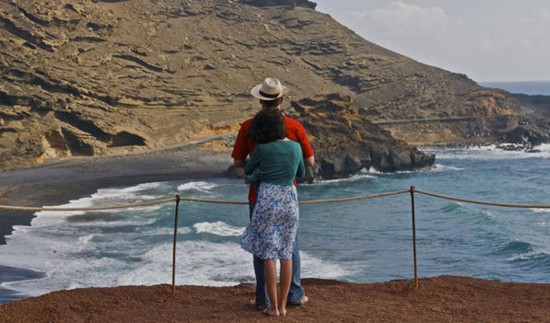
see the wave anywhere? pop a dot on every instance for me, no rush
(445, 168)
(218, 228)
(533, 261)
(197, 186)
(524, 251)
(451, 207)
(517, 247)
(198, 263)
(103, 197)
(489, 152)
(540, 210)
(166, 231)
(119, 195)
(361, 175)
(133, 189)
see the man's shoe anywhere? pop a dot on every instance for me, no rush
(252, 303)
(301, 302)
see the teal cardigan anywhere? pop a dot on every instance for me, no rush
(276, 162)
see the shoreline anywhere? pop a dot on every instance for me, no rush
(61, 181)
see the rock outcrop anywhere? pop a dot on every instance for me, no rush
(345, 142)
(84, 78)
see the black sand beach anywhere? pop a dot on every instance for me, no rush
(63, 180)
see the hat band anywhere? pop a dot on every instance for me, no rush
(267, 95)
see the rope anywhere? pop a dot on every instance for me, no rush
(482, 202)
(355, 198)
(191, 199)
(325, 201)
(339, 200)
(101, 208)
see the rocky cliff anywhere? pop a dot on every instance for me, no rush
(84, 78)
(348, 142)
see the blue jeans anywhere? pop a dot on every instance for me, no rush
(296, 292)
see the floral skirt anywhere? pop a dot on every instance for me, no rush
(272, 230)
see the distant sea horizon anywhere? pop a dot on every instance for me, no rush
(521, 87)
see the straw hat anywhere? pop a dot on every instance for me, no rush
(270, 89)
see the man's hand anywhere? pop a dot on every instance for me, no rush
(239, 163)
(310, 161)
(239, 171)
(238, 166)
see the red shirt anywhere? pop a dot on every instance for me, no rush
(244, 144)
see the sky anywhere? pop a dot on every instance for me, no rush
(488, 40)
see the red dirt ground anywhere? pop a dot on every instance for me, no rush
(440, 299)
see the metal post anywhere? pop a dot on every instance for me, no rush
(174, 247)
(414, 238)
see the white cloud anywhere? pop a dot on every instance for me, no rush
(402, 19)
(542, 15)
(488, 40)
(531, 30)
(539, 16)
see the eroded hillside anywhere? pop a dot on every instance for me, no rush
(84, 78)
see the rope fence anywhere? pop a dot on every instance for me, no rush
(177, 199)
(78, 209)
(456, 199)
(235, 202)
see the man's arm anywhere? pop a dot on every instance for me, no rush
(240, 149)
(301, 136)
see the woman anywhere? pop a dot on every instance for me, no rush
(271, 233)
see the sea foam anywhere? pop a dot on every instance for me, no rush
(197, 186)
(218, 228)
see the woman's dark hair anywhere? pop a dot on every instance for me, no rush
(268, 125)
(272, 103)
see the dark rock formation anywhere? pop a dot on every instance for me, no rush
(534, 122)
(346, 141)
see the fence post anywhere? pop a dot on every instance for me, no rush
(174, 246)
(414, 238)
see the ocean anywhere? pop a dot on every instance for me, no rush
(521, 87)
(360, 241)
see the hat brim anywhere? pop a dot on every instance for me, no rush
(256, 93)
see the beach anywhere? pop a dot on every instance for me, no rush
(443, 298)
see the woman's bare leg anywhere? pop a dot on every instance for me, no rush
(286, 278)
(270, 275)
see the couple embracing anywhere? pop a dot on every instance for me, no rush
(279, 152)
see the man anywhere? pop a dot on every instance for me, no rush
(271, 92)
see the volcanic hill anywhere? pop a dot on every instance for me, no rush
(105, 77)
